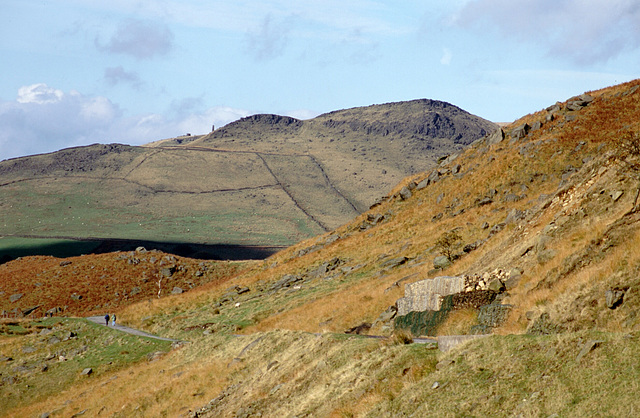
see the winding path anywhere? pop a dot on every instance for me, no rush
(100, 320)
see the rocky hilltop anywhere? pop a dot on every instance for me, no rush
(254, 186)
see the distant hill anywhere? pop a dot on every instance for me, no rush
(263, 182)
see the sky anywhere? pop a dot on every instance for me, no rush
(78, 72)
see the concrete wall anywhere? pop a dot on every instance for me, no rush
(426, 295)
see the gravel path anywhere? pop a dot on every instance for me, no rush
(100, 320)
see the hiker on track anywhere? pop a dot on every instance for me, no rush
(113, 320)
(106, 319)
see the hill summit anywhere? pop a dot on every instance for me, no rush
(242, 191)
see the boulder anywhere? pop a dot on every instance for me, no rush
(168, 271)
(176, 290)
(405, 193)
(496, 137)
(388, 314)
(616, 194)
(614, 298)
(497, 286)
(87, 371)
(578, 102)
(588, 347)
(536, 125)
(424, 183)
(515, 215)
(394, 262)
(441, 262)
(29, 311)
(520, 131)
(15, 297)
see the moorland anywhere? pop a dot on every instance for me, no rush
(538, 221)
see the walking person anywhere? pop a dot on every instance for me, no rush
(106, 319)
(113, 320)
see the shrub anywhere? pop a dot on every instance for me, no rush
(448, 243)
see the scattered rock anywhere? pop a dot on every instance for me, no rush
(441, 262)
(388, 314)
(484, 201)
(53, 340)
(86, 372)
(514, 216)
(168, 271)
(359, 329)
(520, 131)
(423, 184)
(497, 286)
(15, 297)
(614, 298)
(176, 290)
(536, 125)
(394, 262)
(496, 137)
(65, 263)
(616, 194)
(29, 311)
(405, 193)
(578, 102)
(588, 347)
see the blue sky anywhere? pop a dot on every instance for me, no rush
(77, 72)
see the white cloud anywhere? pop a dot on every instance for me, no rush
(39, 93)
(582, 31)
(140, 39)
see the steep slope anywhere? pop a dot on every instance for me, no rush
(546, 220)
(265, 181)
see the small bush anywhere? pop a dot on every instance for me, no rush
(448, 243)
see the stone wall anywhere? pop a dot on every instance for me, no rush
(426, 295)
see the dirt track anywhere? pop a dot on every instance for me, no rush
(100, 320)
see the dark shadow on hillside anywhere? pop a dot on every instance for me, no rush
(75, 247)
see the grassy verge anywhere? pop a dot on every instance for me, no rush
(45, 357)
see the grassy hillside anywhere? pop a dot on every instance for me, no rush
(548, 210)
(258, 184)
